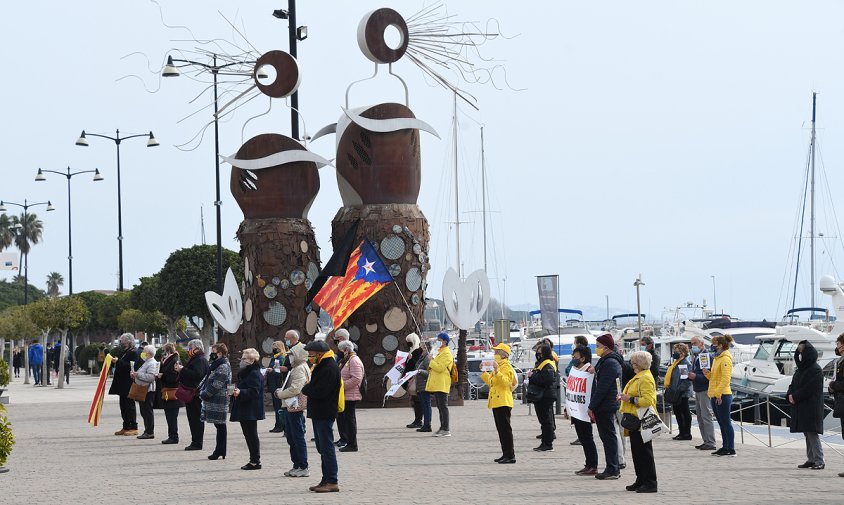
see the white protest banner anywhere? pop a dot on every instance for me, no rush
(397, 371)
(578, 394)
(395, 387)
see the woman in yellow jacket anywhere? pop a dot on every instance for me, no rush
(640, 393)
(501, 382)
(439, 380)
(720, 393)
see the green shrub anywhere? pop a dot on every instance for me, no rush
(87, 352)
(4, 375)
(7, 439)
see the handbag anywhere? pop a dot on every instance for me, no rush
(138, 392)
(534, 393)
(169, 394)
(651, 425)
(630, 422)
(185, 394)
(672, 395)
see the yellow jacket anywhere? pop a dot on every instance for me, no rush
(439, 372)
(720, 375)
(501, 385)
(642, 388)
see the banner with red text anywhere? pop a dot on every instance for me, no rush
(578, 394)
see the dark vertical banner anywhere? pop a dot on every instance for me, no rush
(548, 302)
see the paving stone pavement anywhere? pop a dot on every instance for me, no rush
(60, 459)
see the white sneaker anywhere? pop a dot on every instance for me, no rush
(442, 433)
(289, 473)
(301, 472)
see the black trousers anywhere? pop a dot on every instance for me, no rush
(643, 459)
(501, 415)
(347, 424)
(197, 427)
(587, 441)
(172, 416)
(417, 409)
(146, 413)
(128, 413)
(250, 433)
(545, 416)
(442, 407)
(605, 422)
(684, 416)
(222, 434)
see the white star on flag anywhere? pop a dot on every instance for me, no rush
(367, 266)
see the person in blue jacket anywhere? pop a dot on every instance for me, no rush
(36, 360)
(703, 407)
(604, 403)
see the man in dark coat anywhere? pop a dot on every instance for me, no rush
(604, 403)
(121, 383)
(805, 394)
(323, 392)
(647, 344)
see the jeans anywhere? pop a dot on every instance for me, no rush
(722, 414)
(36, 373)
(425, 401)
(347, 425)
(323, 436)
(250, 433)
(643, 459)
(294, 431)
(545, 416)
(584, 434)
(501, 415)
(197, 427)
(814, 449)
(279, 413)
(222, 435)
(684, 416)
(172, 416)
(128, 413)
(605, 421)
(442, 406)
(146, 413)
(703, 408)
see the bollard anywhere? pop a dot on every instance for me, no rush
(768, 408)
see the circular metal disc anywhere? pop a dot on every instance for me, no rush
(313, 271)
(379, 359)
(270, 291)
(371, 38)
(267, 345)
(308, 284)
(414, 299)
(275, 315)
(390, 343)
(297, 277)
(303, 246)
(276, 281)
(417, 249)
(311, 323)
(372, 327)
(247, 274)
(392, 247)
(395, 319)
(287, 77)
(395, 269)
(396, 228)
(408, 257)
(354, 333)
(413, 279)
(284, 284)
(247, 309)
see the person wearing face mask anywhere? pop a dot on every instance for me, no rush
(543, 376)
(703, 407)
(190, 376)
(169, 383)
(145, 376)
(215, 398)
(421, 380)
(604, 405)
(720, 393)
(120, 383)
(323, 392)
(582, 360)
(677, 390)
(502, 380)
(439, 380)
(647, 344)
(352, 373)
(805, 394)
(274, 379)
(248, 404)
(410, 365)
(836, 387)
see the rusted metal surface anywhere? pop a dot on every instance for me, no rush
(287, 74)
(373, 37)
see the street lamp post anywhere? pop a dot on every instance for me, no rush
(171, 69)
(636, 284)
(117, 139)
(25, 206)
(295, 34)
(68, 174)
(714, 300)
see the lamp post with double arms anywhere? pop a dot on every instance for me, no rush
(171, 69)
(68, 174)
(25, 206)
(117, 139)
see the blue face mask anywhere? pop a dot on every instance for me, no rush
(712, 348)
(643, 348)
(696, 349)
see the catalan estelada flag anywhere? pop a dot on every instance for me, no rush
(365, 276)
(99, 393)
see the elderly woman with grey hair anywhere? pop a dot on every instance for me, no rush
(190, 377)
(248, 404)
(145, 376)
(352, 373)
(120, 384)
(640, 392)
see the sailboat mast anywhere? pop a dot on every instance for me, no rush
(483, 193)
(456, 193)
(812, 204)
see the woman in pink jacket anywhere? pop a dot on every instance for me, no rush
(351, 371)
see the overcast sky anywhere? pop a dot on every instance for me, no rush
(664, 138)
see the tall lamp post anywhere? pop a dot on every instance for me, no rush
(295, 34)
(636, 284)
(117, 139)
(171, 69)
(714, 300)
(68, 174)
(25, 206)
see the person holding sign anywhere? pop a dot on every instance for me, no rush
(640, 393)
(720, 392)
(604, 403)
(677, 390)
(502, 381)
(700, 385)
(581, 360)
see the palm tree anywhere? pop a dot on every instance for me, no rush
(54, 280)
(7, 232)
(28, 233)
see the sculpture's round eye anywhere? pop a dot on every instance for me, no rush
(282, 77)
(383, 36)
